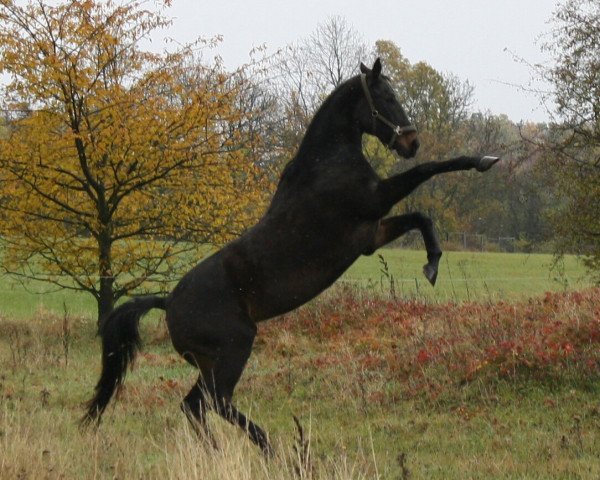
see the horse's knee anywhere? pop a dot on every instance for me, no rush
(422, 221)
(194, 402)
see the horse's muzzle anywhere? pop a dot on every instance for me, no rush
(407, 145)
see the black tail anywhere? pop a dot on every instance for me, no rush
(120, 343)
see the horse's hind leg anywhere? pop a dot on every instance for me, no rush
(258, 436)
(195, 406)
(222, 378)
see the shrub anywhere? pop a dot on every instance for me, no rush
(429, 348)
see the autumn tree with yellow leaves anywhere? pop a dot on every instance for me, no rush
(116, 161)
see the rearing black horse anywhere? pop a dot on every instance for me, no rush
(330, 207)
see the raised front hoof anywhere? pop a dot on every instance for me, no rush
(430, 273)
(485, 163)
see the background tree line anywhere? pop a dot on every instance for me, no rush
(512, 201)
(116, 162)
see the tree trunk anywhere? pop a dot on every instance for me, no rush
(106, 297)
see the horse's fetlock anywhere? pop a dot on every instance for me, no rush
(433, 257)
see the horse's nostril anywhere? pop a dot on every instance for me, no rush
(414, 146)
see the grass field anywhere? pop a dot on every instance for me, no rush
(462, 276)
(487, 378)
(470, 275)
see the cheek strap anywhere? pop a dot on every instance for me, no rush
(397, 130)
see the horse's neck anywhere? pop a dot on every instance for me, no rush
(333, 133)
(333, 126)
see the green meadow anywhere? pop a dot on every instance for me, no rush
(470, 276)
(463, 276)
(484, 376)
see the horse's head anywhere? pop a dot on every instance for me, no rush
(386, 119)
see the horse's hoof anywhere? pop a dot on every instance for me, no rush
(485, 163)
(430, 273)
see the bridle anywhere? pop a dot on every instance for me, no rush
(397, 130)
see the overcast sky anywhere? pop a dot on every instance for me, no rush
(472, 39)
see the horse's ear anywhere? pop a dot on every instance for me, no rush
(364, 69)
(376, 68)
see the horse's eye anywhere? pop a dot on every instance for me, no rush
(390, 97)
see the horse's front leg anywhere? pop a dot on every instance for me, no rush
(391, 190)
(391, 228)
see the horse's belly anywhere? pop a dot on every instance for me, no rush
(292, 289)
(278, 273)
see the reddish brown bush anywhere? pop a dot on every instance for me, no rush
(428, 347)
